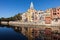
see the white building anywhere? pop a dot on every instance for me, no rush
(41, 15)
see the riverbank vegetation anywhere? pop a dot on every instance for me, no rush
(14, 18)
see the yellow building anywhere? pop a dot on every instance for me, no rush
(31, 12)
(48, 14)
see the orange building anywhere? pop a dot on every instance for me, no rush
(47, 20)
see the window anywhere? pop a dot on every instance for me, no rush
(39, 13)
(32, 17)
(58, 9)
(35, 12)
(26, 20)
(57, 13)
(54, 13)
(32, 14)
(56, 20)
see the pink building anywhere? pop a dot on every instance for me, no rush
(55, 13)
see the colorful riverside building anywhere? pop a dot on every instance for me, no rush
(48, 16)
(32, 15)
(55, 13)
(41, 15)
(29, 15)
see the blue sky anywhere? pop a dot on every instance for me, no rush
(10, 8)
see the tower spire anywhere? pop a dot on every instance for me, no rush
(31, 5)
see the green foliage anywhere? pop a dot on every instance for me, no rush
(14, 18)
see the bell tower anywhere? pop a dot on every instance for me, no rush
(31, 5)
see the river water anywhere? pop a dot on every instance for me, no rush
(10, 34)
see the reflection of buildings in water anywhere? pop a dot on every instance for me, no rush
(37, 33)
(17, 29)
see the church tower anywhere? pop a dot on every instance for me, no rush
(31, 5)
(30, 14)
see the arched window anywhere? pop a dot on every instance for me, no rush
(54, 13)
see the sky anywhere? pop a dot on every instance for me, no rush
(10, 8)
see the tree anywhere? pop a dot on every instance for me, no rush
(14, 18)
(19, 16)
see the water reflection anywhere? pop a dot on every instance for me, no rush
(10, 34)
